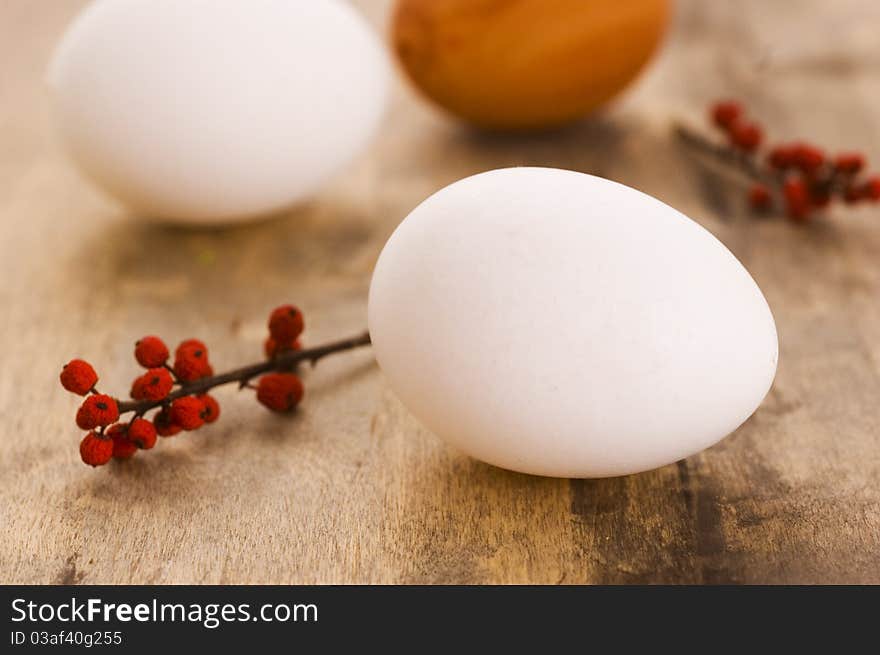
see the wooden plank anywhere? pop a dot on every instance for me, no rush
(353, 489)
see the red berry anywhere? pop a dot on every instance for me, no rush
(190, 343)
(95, 449)
(285, 324)
(820, 198)
(849, 162)
(115, 430)
(165, 427)
(746, 136)
(211, 410)
(155, 384)
(96, 411)
(853, 194)
(191, 361)
(280, 392)
(122, 447)
(797, 198)
(273, 349)
(781, 157)
(187, 412)
(760, 198)
(871, 188)
(78, 377)
(807, 158)
(151, 352)
(142, 433)
(725, 113)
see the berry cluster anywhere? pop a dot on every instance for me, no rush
(177, 391)
(99, 414)
(799, 176)
(282, 391)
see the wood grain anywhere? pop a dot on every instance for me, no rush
(352, 489)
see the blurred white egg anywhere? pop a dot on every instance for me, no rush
(208, 111)
(560, 324)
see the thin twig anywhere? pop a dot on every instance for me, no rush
(284, 361)
(724, 154)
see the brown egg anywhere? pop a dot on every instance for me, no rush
(525, 64)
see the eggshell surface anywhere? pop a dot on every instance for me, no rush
(208, 111)
(560, 324)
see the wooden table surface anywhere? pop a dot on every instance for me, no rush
(352, 489)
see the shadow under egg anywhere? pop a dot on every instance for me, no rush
(172, 269)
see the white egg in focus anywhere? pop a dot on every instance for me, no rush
(559, 324)
(206, 111)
